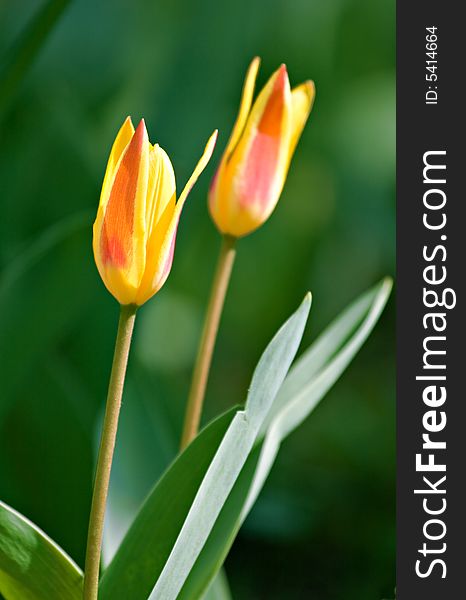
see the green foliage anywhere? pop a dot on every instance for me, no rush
(219, 589)
(180, 65)
(183, 532)
(163, 543)
(187, 525)
(32, 566)
(308, 381)
(147, 546)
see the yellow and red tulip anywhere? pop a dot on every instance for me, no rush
(253, 169)
(137, 218)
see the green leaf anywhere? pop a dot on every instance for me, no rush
(219, 589)
(324, 365)
(32, 566)
(174, 524)
(148, 543)
(307, 382)
(222, 535)
(231, 455)
(234, 474)
(367, 307)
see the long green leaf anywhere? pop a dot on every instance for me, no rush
(148, 543)
(245, 458)
(32, 566)
(232, 454)
(323, 362)
(190, 505)
(219, 589)
(299, 398)
(318, 355)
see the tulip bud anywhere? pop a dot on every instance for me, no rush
(137, 218)
(253, 169)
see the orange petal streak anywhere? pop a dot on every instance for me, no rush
(263, 154)
(117, 230)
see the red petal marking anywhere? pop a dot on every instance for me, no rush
(261, 161)
(271, 120)
(259, 172)
(117, 230)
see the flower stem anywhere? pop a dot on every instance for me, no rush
(207, 343)
(107, 446)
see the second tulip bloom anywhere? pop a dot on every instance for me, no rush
(253, 169)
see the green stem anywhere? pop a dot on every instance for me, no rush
(207, 343)
(107, 446)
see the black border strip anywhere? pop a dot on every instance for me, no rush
(422, 128)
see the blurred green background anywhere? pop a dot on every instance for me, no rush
(323, 527)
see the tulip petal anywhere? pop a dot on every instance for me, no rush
(122, 139)
(245, 106)
(302, 99)
(265, 143)
(252, 172)
(161, 243)
(120, 227)
(201, 165)
(247, 186)
(161, 188)
(217, 203)
(257, 169)
(269, 108)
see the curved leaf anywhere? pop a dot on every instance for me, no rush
(323, 363)
(232, 454)
(231, 482)
(297, 406)
(219, 589)
(147, 545)
(174, 524)
(32, 566)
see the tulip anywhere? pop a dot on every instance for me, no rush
(253, 169)
(137, 218)
(134, 240)
(243, 194)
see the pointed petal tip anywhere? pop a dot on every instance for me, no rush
(141, 131)
(282, 71)
(201, 165)
(309, 88)
(141, 125)
(281, 75)
(211, 143)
